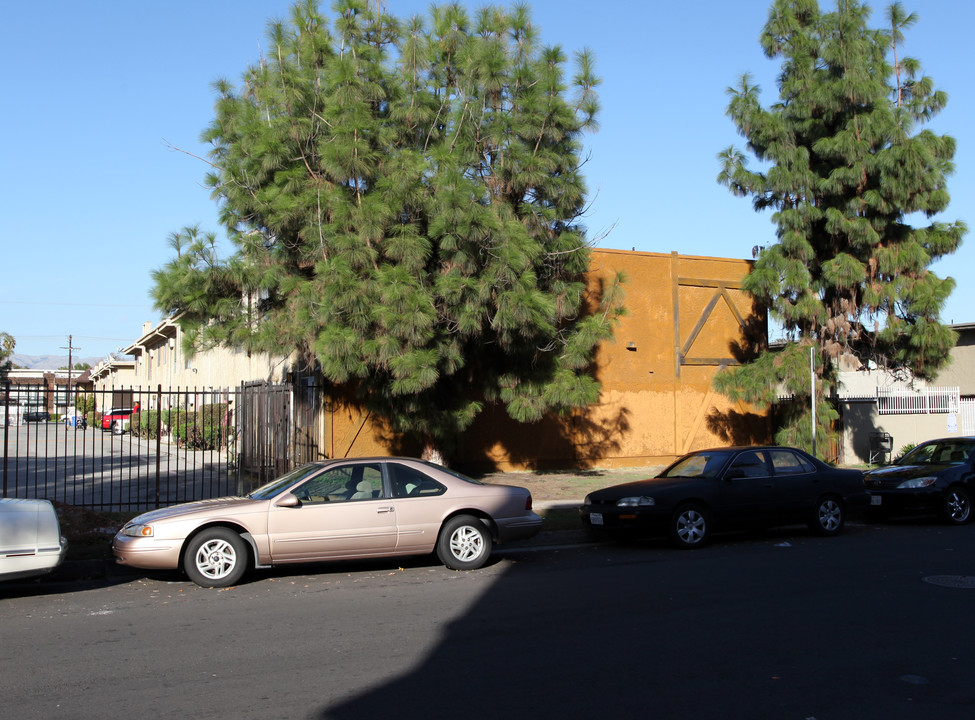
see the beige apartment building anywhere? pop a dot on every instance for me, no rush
(159, 362)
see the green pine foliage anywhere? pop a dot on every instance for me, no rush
(405, 199)
(7, 345)
(846, 170)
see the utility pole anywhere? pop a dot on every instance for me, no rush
(70, 348)
(812, 395)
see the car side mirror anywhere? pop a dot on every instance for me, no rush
(734, 474)
(288, 500)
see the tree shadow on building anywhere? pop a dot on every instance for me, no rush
(744, 427)
(575, 441)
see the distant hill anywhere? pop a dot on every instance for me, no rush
(49, 362)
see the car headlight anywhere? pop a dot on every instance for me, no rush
(642, 501)
(137, 531)
(921, 482)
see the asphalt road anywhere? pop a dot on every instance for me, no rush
(876, 623)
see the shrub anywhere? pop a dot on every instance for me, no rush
(199, 430)
(904, 450)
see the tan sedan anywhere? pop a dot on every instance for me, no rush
(338, 509)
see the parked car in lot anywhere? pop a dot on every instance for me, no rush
(118, 418)
(37, 416)
(30, 538)
(935, 477)
(726, 489)
(338, 509)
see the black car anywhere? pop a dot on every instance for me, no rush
(37, 416)
(727, 489)
(935, 477)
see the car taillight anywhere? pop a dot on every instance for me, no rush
(528, 503)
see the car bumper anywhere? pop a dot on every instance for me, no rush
(17, 566)
(147, 553)
(858, 500)
(518, 528)
(644, 520)
(906, 500)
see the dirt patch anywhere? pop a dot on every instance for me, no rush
(89, 533)
(569, 484)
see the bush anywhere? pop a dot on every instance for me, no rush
(84, 403)
(904, 450)
(201, 430)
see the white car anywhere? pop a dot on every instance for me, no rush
(30, 538)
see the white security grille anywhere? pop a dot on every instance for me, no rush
(922, 401)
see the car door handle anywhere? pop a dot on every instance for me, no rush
(384, 510)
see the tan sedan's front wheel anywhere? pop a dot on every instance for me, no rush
(464, 543)
(216, 558)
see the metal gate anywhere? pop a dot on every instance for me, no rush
(966, 413)
(264, 422)
(138, 449)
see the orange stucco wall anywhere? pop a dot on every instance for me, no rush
(685, 319)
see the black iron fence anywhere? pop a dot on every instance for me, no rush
(136, 449)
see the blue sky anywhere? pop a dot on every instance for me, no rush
(97, 92)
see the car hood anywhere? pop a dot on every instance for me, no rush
(214, 506)
(903, 472)
(640, 487)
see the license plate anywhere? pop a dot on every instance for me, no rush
(876, 500)
(596, 518)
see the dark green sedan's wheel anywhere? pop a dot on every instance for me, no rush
(690, 526)
(828, 516)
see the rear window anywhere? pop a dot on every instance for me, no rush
(410, 482)
(787, 462)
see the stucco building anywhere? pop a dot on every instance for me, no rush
(875, 403)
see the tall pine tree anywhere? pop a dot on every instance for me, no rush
(405, 199)
(845, 170)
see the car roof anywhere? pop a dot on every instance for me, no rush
(374, 458)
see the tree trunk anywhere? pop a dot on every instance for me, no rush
(432, 453)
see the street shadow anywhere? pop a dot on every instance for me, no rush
(638, 633)
(61, 582)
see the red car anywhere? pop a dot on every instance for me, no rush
(116, 418)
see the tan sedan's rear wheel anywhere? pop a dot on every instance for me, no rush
(217, 557)
(464, 543)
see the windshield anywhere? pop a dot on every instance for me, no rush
(705, 464)
(279, 485)
(940, 452)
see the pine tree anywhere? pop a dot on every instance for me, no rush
(405, 201)
(845, 171)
